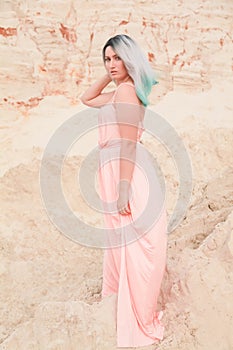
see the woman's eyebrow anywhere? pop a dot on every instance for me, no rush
(112, 56)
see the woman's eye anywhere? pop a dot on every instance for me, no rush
(118, 58)
(107, 59)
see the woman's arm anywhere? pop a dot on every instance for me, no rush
(93, 96)
(128, 116)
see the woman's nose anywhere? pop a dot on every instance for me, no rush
(112, 63)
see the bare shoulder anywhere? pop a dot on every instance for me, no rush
(126, 93)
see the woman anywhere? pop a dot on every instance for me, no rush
(133, 201)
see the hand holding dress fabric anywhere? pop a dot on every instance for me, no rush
(123, 205)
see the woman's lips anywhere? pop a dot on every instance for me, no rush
(113, 72)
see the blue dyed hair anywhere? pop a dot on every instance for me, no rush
(135, 62)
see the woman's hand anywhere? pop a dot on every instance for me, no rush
(123, 205)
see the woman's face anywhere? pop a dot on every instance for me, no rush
(115, 66)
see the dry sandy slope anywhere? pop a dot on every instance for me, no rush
(50, 294)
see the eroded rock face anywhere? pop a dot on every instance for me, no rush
(51, 49)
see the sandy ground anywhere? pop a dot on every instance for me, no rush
(50, 294)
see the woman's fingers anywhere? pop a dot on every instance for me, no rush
(126, 210)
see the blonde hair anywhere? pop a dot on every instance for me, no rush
(136, 63)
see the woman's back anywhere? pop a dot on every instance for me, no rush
(108, 120)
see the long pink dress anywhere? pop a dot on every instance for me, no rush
(134, 262)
